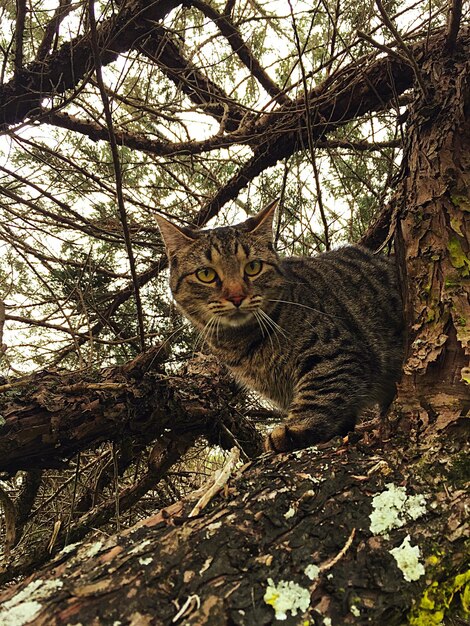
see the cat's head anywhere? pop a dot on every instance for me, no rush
(226, 274)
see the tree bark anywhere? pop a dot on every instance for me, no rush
(298, 521)
(54, 416)
(433, 242)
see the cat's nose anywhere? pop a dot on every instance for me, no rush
(236, 298)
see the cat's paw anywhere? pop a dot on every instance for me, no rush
(284, 439)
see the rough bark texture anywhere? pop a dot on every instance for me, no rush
(280, 518)
(433, 241)
(50, 417)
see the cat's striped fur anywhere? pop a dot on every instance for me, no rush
(320, 337)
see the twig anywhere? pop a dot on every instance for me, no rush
(9, 516)
(74, 497)
(454, 18)
(308, 119)
(116, 485)
(217, 482)
(407, 52)
(235, 40)
(52, 28)
(324, 567)
(380, 46)
(2, 326)
(117, 170)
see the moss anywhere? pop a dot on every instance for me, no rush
(459, 471)
(458, 258)
(452, 280)
(461, 202)
(443, 598)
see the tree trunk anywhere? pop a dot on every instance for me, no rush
(433, 199)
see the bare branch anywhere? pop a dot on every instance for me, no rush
(232, 34)
(19, 33)
(65, 68)
(117, 171)
(406, 50)
(52, 29)
(454, 18)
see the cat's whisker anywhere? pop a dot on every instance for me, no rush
(262, 325)
(269, 323)
(272, 323)
(205, 334)
(255, 313)
(217, 326)
(304, 306)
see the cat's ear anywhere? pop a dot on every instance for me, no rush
(262, 222)
(174, 237)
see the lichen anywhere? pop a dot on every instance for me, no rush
(460, 201)
(23, 607)
(289, 513)
(458, 258)
(393, 508)
(312, 571)
(407, 558)
(440, 599)
(286, 596)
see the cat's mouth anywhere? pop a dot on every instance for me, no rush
(237, 316)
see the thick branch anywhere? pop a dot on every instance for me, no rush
(65, 68)
(241, 49)
(298, 525)
(54, 418)
(453, 23)
(163, 50)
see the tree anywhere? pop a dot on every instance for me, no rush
(113, 111)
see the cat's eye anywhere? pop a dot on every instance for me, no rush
(206, 275)
(253, 268)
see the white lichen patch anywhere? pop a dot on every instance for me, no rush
(289, 513)
(393, 508)
(25, 605)
(145, 560)
(93, 549)
(407, 558)
(312, 571)
(354, 610)
(69, 548)
(21, 614)
(286, 596)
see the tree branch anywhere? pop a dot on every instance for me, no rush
(232, 34)
(454, 18)
(64, 69)
(52, 419)
(52, 29)
(19, 33)
(117, 171)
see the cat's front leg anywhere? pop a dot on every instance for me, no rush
(309, 427)
(326, 400)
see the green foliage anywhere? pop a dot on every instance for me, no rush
(64, 268)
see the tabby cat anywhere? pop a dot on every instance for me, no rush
(319, 337)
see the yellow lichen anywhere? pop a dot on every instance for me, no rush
(437, 599)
